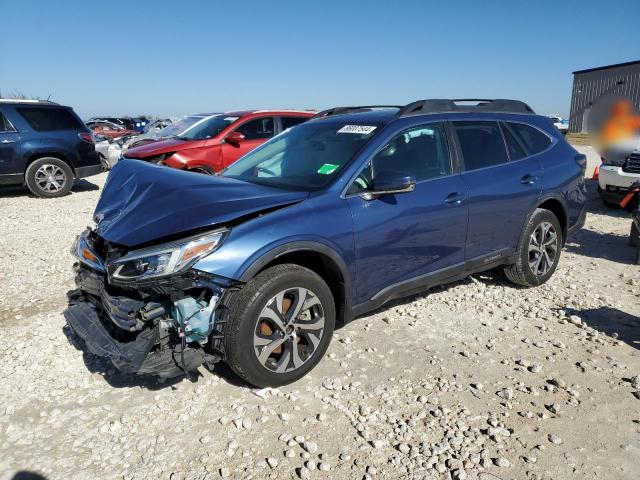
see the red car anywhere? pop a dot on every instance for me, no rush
(109, 129)
(218, 140)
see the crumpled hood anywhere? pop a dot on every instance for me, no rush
(142, 202)
(157, 147)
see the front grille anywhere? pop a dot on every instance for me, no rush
(632, 165)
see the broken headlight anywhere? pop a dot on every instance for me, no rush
(83, 250)
(164, 259)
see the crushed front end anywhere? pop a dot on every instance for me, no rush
(147, 310)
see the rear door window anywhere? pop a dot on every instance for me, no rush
(258, 129)
(288, 122)
(481, 143)
(533, 139)
(46, 119)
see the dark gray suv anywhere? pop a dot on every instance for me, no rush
(44, 146)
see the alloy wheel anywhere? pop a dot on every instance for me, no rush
(50, 178)
(289, 330)
(543, 249)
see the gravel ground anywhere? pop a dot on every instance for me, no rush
(474, 380)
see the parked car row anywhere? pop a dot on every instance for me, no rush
(34, 132)
(215, 141)
(162, 129)
(136, 124)
(109, 129)
(321, 223)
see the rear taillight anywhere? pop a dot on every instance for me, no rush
(86, 137)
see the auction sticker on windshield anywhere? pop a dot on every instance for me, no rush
(327, 169)
(359, 129)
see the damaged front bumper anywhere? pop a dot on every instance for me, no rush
(165, 327)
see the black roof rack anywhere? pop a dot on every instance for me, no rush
(342, 110)
(453, 105)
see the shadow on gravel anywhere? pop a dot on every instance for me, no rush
(609, 246)
(84, 185)
(79, 186)
(613, 322)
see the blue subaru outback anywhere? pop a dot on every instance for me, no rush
(323, 223)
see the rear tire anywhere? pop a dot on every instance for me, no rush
(279, 325)
(538, 251)
(49, 177)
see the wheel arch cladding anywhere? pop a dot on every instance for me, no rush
(37, 156)
(556, 207)
(319, 262)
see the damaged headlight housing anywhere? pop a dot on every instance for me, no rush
(164, 259)
(83, 250)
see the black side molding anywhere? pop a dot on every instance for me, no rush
(443, 276)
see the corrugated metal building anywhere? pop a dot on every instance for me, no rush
(593, 83)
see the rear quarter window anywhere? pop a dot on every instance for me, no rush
(50, 119)
(533, 139)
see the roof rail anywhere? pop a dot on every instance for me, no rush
(453, 105)
(25, 100)
(342, 110)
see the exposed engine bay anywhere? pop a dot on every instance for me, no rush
(164, 326)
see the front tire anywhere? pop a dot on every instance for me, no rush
(538, 251)
(279, 325)
(49, 177)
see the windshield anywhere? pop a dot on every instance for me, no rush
(177, 128)
(207, 128)
(306, 157)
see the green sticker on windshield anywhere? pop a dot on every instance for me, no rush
(327, 169)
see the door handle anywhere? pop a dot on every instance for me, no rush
(528, 179)
(7, 141)
(454, 198)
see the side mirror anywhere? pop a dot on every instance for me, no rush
(235, 138)
(386, 183)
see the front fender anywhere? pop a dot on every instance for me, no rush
(257, 262)
(245, 266)
(321, 224)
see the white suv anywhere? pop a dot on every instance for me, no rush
(617, 175)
